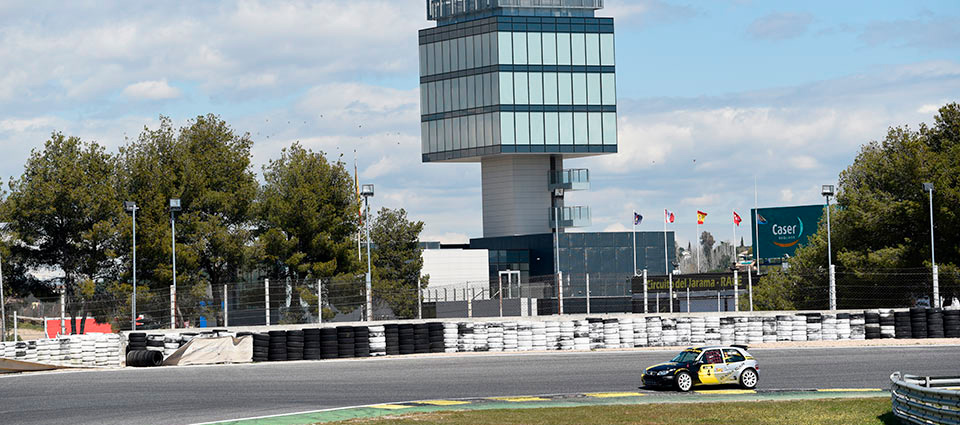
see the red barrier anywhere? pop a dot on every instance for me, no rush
(91, 326)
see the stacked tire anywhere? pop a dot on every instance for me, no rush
(329, 347)
(935, 323)
(888, 325)
(136, 341)
(294, 345)
(871, 321)
(406, 343)
(435, 332)
(345, 342)
(361, 341)
(311, 344)
(261, 347)
(421, 338)
(902, 325)
(378, 341)
(144, 358)
(391, 333)
(277, 350)
(918, 322)
(951, 323)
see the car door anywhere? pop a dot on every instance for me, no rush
(709, 360)
(732, 363)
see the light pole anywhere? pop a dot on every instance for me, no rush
(131, 207)
(174, 207)
(933, 259)
(827, 192)
(367, 193)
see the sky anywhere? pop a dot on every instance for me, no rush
(713, 97)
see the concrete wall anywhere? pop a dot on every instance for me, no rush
(515, 196)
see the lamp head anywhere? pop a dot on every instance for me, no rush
(366, 190)
(175, 205)
(928, 187)
(827, 190)
(129, 206)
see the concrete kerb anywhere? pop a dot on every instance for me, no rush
(537, 402)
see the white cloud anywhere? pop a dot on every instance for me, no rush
(786, 195)
(929, 108)
(780, 26)
(152, 90)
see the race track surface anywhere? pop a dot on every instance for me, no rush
(181, 395)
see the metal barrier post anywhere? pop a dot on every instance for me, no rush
(419, 299)
(173, 306)
(560, 287)
(500, 291)
(320, 301)
(588, 293)
(736, 291)
(688, 299)
(833, 288)
(15, 325)
(226, 310)
(266, 299)
(645, 290)
(473, 293)
(63, 312)
(750, 287)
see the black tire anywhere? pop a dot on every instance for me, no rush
(749, 379)
(683, 381)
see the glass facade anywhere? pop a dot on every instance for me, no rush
(518, 84)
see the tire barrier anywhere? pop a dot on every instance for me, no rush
(523, 335)
(89, 350)
(144, 358)
(925, 400)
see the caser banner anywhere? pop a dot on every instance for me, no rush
(781, 230)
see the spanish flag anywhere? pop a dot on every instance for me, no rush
(701, 216)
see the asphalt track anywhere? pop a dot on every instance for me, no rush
(209, 393)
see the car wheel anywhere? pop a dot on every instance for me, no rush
(749, 379)
(684, 381)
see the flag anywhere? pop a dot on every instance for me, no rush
(637, 218)
(736, 219)
(667, 216)
(761, 220)
(701, 216)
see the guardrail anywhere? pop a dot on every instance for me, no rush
(925, 399)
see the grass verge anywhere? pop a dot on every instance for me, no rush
(859, 411)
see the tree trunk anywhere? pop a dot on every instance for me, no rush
(83, 321)
(216, 289)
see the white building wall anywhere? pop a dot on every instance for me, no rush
(456, 269)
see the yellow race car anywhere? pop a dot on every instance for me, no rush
(711, 365)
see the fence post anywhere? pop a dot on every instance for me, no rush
(470, 302)
(266, 297)
(718, 301)
(560, 292)
(936, 287)
(588, 293)
(226, 309)
(833, 288)
(63, 312)
(444, 294)
(645, 291)
(500, 291)
(750, 287)
(15, 326)
(688, 298)
(736, 290)
(419, 299)
(173, 307)
(670, 278)
(320, 301)
(658, 301)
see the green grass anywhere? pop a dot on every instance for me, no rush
(858, 411)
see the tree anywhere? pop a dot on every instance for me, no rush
(63, 213)
(397, 261)
(207, 166)
(881, 224)
(307, 221)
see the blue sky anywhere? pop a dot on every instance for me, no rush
(712, 94)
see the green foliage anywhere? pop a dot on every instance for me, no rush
(63, 214)
(207, 166)
(882, 224)
(397, 261)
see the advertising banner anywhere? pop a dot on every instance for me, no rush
(781, 230)
(696, 282)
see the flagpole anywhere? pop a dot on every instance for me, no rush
(699, 248)
(734, 241)
(756, 224)
(634, 242)
(666, 259)
(356, 179)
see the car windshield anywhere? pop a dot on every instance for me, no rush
(686, 356)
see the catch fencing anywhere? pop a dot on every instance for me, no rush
(925, 400)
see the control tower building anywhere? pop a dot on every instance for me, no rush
(519, 86)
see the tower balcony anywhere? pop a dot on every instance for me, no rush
(577, 216)
(571, 179)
